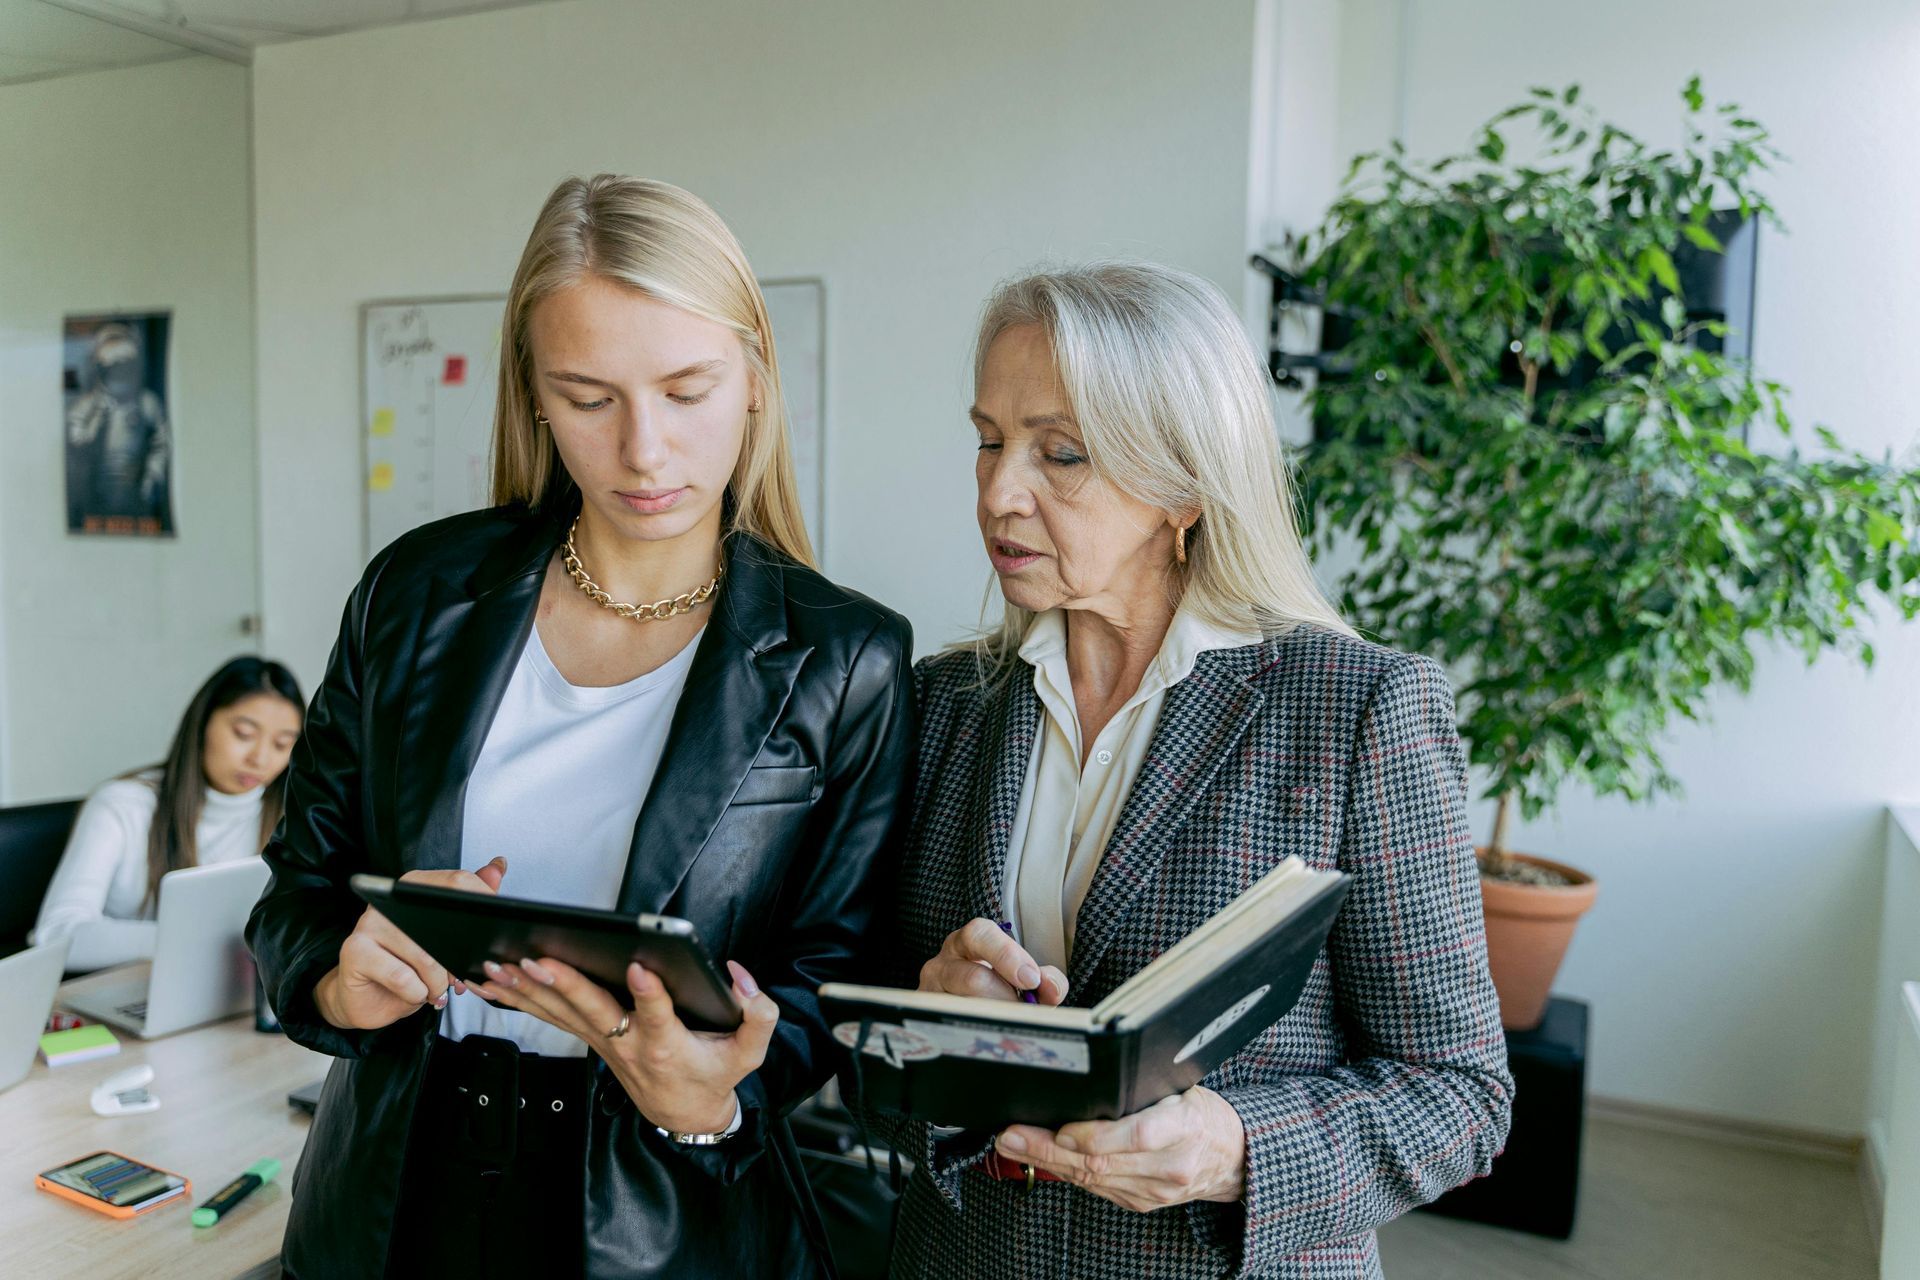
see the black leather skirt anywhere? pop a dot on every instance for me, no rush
(494, 1179)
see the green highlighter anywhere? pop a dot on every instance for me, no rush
(258, 1174)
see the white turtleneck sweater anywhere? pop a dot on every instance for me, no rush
(96, 897)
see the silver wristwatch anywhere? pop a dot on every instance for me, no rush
(707, 1139)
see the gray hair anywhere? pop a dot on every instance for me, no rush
(1173, 401)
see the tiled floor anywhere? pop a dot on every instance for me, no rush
(1660, 1206)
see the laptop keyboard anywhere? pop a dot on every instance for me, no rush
(138, 1009)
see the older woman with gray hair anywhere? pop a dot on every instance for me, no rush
(1170, 707)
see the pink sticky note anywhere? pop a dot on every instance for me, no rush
(456, 372)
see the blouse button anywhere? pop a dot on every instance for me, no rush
(1103, 757)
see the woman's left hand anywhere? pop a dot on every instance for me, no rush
(679, 1079)
(1191, 1146)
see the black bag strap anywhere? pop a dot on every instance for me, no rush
(780, 1134)
(859, 1113)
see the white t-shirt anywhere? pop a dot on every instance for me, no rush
(96, 896)
(557, 790)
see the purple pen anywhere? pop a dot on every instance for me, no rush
(1027, 997)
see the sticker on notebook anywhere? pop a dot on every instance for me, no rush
(890, 1042)
(1213, 1030)
(1020, 1046)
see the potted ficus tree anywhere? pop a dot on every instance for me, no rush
(1537, 464)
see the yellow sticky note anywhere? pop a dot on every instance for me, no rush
(383, 422)
(381, 478)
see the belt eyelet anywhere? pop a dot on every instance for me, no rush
(482, 1099)
(558, 1105)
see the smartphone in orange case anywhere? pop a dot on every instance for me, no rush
(110, 1183)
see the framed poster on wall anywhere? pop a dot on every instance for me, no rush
(118, 441)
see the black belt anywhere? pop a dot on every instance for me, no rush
(493, 1126)
(488, 1103)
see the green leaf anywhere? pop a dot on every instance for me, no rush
(1695, 99)
(1594, 330)
(1882, 530)
(1657, 260)
(1702, 237)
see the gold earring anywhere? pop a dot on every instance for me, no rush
(540, 417)
(754, 407)
(1179, 544)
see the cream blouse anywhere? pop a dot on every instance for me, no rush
(1067, 813)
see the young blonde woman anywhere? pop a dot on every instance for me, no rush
(509, 710)
(1170, 708)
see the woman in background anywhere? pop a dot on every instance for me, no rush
(216, 798)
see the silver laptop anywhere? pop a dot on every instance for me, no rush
(200, 970)
(27, 983)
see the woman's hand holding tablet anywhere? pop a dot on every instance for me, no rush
(681, 1080)
(463, 932)
(680, 1071)
(383, 975)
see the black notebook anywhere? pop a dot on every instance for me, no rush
(981, 1063)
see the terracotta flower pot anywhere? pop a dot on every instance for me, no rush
(1528, 928)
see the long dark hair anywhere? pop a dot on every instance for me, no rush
(182, 780)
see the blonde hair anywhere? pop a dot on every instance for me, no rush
(1172, 400)
(669, 245)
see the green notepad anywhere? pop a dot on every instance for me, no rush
(78, 1045)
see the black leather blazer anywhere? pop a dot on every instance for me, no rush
(770, 824)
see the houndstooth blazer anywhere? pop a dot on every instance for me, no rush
(1385, 1085)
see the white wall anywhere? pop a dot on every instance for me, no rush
(1731, 957)
(1900, 1242)
(1899, 964)
(911, 155)
(122, 190)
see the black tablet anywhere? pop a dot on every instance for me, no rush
(462, 930)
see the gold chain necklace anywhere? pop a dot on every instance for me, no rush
(658, 611)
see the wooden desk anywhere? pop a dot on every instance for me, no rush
(223, 1105)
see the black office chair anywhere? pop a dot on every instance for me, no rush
(32, 838)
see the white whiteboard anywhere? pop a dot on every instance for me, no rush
(429, 370)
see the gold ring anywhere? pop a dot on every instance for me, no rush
(620, 1030)
(1028, 1169)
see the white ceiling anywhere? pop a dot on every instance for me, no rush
(42, 38)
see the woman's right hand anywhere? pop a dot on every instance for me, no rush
(383, 975)
(980, 959)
